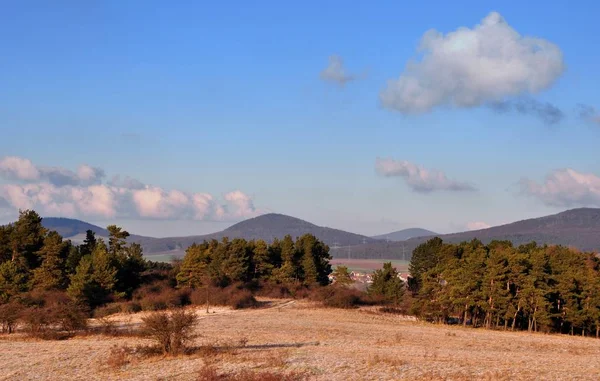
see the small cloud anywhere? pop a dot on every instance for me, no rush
(565, 188)
(588, 113)
(470, 67)
(477, 225)
(418, 178)
(335, 71)
(547, 112)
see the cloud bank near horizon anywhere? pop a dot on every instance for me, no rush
(85, 193)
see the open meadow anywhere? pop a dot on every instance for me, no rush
(310, 342)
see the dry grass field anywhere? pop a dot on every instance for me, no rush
(323, 344)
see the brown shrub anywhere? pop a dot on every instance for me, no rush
(115, 308)
(53, 315)
(161, 296)
(283, 291)
(118, 357)
(9, 316)
(339, 297)
(171, 331)
(232, 296)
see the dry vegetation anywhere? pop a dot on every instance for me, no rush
(299, 341)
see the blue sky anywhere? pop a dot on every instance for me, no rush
(214, 98)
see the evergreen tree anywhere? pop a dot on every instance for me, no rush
(424, 258)
(52, 272)
(387, 284)
(342, 276)
(13, 280)
(27, 238)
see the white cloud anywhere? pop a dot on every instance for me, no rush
(418, 178)
(565, 188)
(335, 71)
(18, 168)
(471, 67)
(61, 192)
(240, 203)
(477, 225)
(13, 167)
(89, 174)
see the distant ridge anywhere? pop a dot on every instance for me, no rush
(69, 227)
(266, 227)
(579, 228)
(403, 235)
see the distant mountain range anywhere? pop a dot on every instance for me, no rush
(403, 235)
(266, 227)
(578, 228)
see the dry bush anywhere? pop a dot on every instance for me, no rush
(53, 315)
(118, 357)
(170, 330)
(115, 308)
(282, 291)
(232, 296)
(160, 296)
(10, 314)
(210, 373)
(339, 297)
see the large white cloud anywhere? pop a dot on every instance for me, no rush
(418, 178)
(470, 67)
(565, 188)
(61, 192)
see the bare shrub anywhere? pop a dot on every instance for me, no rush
(9, 316)
(171, 331)
(160, 296)
(116, 308)
(118, 356)
(233, 296)
(53, 316)
(338, 297)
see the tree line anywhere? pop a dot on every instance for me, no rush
(304, 261)
(93, 273)
(34, 260)
(529, 287)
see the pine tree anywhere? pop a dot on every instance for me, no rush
(387, 284)
(52, 272)
(27, 238)
(342, 276)
(83, 288)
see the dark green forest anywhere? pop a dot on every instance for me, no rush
(40, 270)
(529, 287)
